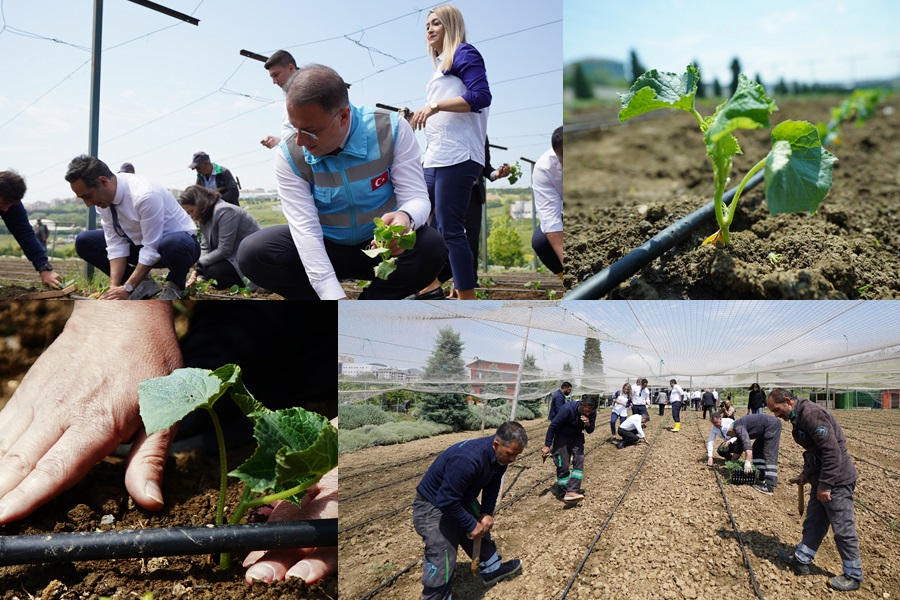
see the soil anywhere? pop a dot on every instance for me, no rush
(626, 183)
(669, 536)
(190, 489)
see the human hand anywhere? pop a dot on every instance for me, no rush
(709, 461)
(478, 532)
(309, 564)
(115, 293)
(420, 116)
(824, 495)
(396, 217)
(545, 451)
(585, 420)
(79, 401)
(801, 479)
(270, 141)
(51, 279)
(192, 278)
(503, 171)
(748, 467)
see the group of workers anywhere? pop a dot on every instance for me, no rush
(447, 514)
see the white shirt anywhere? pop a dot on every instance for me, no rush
(641, 397)
(146, 211)
(696, 395)
(715, 395)
(453, 138)
(721, 431)
(676, 393)
(620, 405)
(303, 217)
(633, 423)
(547, 184)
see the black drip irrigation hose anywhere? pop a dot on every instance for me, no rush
(602, 283)
(871, 443)
(390, 581)
(385, 468)
(608, 519)
(876, 465)
(166, 541)
(380, 487)
(734, 526)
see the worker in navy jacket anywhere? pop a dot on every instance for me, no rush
(559, 397)
(446, 512)
(828, 469)
(758, 439)
(565, 438)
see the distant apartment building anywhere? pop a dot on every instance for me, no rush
(484, 372)
(520, 209)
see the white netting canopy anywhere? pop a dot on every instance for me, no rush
(838, 345)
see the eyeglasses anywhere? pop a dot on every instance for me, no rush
(312, 136)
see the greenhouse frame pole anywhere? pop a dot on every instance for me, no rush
(512, 413)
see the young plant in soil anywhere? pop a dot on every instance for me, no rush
(295, 447)
(383, 237)
(797, 169)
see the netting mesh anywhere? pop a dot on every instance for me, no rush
(843, 345)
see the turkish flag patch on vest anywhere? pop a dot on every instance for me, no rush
(379, 181)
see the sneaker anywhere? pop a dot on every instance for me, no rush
(843, 583)
(506, 571)
(790, 560)
(620, 444)
(145, 289)
(764, 489)
(573, 497)
(172, 292)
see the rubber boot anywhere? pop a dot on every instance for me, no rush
(677, 427)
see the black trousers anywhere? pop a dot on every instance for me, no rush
(269, 259)
(629, 437)
(541, 246)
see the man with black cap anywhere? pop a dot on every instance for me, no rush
(565, 438)
(215, 177)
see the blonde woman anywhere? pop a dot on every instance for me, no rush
(620, 408)
(454, 119)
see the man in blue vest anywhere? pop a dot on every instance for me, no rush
(345, 166)
(559, 397)
(565, 438)
(446, 512)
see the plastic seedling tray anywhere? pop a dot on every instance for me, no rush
(738, 477)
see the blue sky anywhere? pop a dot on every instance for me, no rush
(806, 40)
(169, 88)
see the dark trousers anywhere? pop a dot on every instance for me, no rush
(442, 539)
(662, 409)
(541, 246)
(473, 229)
(568, 456)
(710, 409)
(629, 436)
(178, 251)
(765, 453)
(838, 514)
(450, 190)
(615, 420)
(676, 412)
(223, 272)
(639, 409)
(269, 259)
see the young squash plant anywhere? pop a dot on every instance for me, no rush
(384, 235)
(295, 447)
(797, 169)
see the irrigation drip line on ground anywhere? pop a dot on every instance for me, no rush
(734, 526)
(860, 459)
(381, 487)
(166, 541)
(609, 518)
(871, 443)
(600, 284)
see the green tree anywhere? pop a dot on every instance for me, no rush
(592, 367)
(781, 88)
(530, 384)
(494, 384)
(582, 87)
(717, 88)
(505, 244)
(446, 372)
(637, 69)
(735, 74)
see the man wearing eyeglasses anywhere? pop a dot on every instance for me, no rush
(345, 166)
(143, 227)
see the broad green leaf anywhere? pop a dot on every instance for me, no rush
(296, 447)
(231, 374)
(748, 108)
(385, 268)
(378, 222)
(654, 90)
(407, 241)
(376, 252)
(166, 400)
(798, 169)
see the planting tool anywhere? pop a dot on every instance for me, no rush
(50, 293)
(800, 498)
(168, 541)
(476, 543)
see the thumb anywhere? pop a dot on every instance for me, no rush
(146, 464)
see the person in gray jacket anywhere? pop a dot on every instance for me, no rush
(222, 227)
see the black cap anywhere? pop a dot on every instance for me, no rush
(199, 157)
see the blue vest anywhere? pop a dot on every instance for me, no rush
(354, 187)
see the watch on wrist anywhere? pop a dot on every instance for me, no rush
(129, 288)
(45, 267)
(412, 222)
(434, 107)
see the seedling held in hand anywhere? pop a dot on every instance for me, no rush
(797, 170)
(295, 447)
(384, 235)
(515, 173)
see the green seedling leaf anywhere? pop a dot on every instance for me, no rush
(655, 89)
(515, 173)
(748, 108)
(383, 237)
(407, 241)
(798, 169)
(296, 447)
(166, 400)
(384, 269)
(376, 252)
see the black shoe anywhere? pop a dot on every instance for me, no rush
(435, 294)
(764, 489)
(506, 571)
(790, 560)
(844, 583)
(620, 444)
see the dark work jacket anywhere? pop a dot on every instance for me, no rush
(456, 477)
(567, 425)
(826, 462)
(753, 426)
(757, 400)
(225, 183)
(16, 221)
(556, 401)
(709, 399)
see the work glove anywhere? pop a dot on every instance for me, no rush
(748, 467)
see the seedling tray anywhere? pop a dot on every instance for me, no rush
(738, 477)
